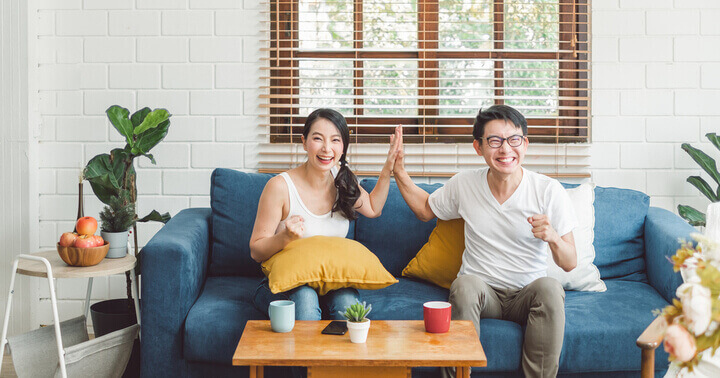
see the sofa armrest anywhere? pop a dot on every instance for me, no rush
(663, 229)
(174, 266)
(648, 342)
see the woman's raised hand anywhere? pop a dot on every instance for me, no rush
(295, 227)
(399, 150)
(395, 148)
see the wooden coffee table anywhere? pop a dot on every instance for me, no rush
(393, 347)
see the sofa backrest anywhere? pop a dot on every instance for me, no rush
(396, 236)
(619, 233)
(234, 198)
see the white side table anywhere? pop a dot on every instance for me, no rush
(48, 264)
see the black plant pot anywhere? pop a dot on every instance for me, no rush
(116, 314)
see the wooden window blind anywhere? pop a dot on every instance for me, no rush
(429, 65)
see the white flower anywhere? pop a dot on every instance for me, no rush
(697, 306)
(710, 248)
(689, 271)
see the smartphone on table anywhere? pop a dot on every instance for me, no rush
(335, 327)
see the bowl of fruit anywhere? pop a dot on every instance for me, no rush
(82, 248)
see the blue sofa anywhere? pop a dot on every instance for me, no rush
(198, 282)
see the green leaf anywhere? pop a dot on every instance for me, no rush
(703, 187)
(156, 217)
(706, 162)
(109, 174)
(692, 216)
(147, 140)
(714, 139)
(152, 120)
(99, 172)
(139, 116)
(119, 118)
(119, 159)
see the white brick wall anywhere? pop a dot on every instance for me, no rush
(655, 75)
(192, 57)
(656, 79)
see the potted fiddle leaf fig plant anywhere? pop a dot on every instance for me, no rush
(357, 322)
(116, 218)
(113, 179)
(690, 214)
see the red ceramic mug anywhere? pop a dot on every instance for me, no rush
(437, 316)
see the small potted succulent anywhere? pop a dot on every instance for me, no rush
(116, 218)
(357, 322)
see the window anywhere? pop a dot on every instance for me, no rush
(429, 65)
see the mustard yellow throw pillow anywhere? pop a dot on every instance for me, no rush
(440, 258)
(326, 263)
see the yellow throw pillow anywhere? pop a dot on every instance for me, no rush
(440, 258)
(326, 263)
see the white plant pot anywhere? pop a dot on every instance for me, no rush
(358, 331)
(118, 244)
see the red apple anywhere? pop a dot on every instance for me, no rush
(99, 241)
(67, 239)
(84, 241)
(86, 226)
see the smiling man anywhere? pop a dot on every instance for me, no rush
(512, 216)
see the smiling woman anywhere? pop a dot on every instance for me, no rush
(318, 198)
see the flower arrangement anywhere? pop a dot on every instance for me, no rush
(694, 317)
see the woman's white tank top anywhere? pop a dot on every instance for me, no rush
(330, 224)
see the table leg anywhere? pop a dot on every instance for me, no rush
(3, 338)
(256, 371)
(56, 319)
(463, 371)
(136, 296)
(87, 298)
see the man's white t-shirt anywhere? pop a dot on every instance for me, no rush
(499, 244)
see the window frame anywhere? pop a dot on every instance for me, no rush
(570, 126)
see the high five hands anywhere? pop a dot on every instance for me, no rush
(396, 152)
(395, 148)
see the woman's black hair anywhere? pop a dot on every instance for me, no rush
(346, 183)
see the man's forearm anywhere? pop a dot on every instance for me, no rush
(564, 254)
(416, 198)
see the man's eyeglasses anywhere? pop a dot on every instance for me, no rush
(512, 141)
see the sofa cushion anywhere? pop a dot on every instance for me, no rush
(619, 233)
(234, 198)
(396, 235)
(595, 321)
(217, 319)
(439, 260)
(325, 263)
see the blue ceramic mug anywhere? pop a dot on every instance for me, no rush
(282, 316)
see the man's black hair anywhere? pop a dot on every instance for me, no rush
(504, 112)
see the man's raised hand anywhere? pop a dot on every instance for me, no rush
(400, 153)
(542, 229)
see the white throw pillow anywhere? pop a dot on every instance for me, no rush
(585, 276)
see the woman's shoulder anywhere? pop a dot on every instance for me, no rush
(276, 186)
